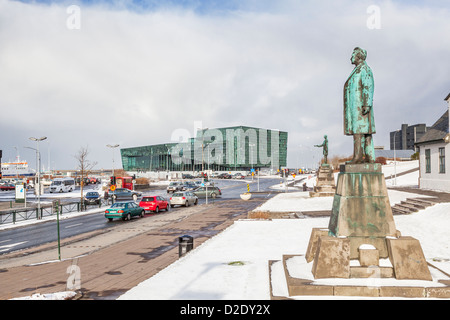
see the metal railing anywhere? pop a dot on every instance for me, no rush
(22, 214)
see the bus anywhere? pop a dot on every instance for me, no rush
(62, 185)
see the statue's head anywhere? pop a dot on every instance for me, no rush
(358, 55)
(325, 136)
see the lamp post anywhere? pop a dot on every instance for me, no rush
(395, 161)
(38, 173)
(112, 147)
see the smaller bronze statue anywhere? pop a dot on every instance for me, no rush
(324, 145)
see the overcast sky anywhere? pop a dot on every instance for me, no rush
(133, 72)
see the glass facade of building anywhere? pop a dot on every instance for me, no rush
(222, 149)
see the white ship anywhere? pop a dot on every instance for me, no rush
(16, 169)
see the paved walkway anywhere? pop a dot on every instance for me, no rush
(109, 270)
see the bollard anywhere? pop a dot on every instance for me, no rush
(185, 244)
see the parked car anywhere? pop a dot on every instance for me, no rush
(92, 197)
(238, 176)
(188, 186)
(187, 176)
(224, 176)
(174, 186)
(124, 210)
(124, 194)
(213, 192)
(7, 186)
(154, 203)
(183, 198)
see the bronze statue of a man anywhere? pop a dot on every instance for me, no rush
(358, 108)
(325, 148)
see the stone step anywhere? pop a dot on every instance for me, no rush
(428, 201)
(408, 207)
(414, 204)
(321, 194)
(400, 210)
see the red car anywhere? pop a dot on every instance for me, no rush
(154, 203)
(5, 187)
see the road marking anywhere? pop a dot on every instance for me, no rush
(73, 225)
(5, 240)
(9, 246)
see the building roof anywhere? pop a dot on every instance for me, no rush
(448, 97)
(437, 132)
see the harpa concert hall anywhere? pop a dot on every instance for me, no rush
(223, 149)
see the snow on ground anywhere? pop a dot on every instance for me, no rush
(66, 295)
(234, 264)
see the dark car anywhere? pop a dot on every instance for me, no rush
(124, 194)
(188, 186)
(6, 187)
(224, 176)
(187, 176)
(92, 197)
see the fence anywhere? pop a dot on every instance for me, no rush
(22, 214)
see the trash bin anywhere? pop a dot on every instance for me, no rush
(304, 186)
(185, 244)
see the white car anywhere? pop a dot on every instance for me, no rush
(183, 198)
(174, 186)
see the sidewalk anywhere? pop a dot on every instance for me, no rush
(109, 269)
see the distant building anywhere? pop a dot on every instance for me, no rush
(407, 136)
(401, 155)
(221, 149)
(434, 154)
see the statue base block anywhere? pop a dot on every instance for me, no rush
(332, 259)
(362, 228)
(325, 185)
(361, 205)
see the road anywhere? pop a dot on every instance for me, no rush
(41, 233)
(115, 259)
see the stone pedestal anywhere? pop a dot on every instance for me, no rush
(325, 185)
(362, 218)
(332, 258)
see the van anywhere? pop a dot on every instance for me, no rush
(62, 185)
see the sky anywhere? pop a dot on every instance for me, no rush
(92, 73)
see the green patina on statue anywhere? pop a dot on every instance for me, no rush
(358, 108)
(324, 145)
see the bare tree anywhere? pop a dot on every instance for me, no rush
(85, 166)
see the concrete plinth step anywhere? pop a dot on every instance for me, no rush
(428, 201)
(400, 210)
(289, 279)
(411, 205)
(417, 205)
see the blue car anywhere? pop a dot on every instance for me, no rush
(92, 197)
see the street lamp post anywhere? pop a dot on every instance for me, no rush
(38, 173)
(112, 147)
(395, 161)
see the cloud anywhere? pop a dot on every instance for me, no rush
(134, 76)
